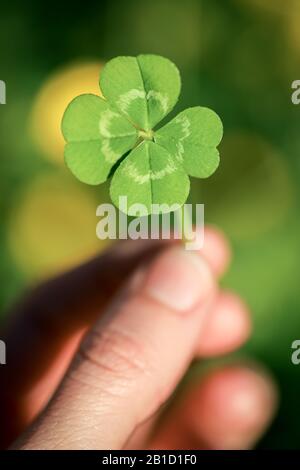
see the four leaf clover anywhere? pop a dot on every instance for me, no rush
(115, 136)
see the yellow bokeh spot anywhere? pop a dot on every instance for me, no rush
(52, 100)
(54, 226)
(292, 19)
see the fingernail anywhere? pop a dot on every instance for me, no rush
(179, 279)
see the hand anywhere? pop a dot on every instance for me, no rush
(94, 354)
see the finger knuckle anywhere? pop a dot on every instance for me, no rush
(118, 356)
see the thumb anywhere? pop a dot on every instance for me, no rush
(132, 359)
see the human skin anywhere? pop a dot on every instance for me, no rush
(94, 354)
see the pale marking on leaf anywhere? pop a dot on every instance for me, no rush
(109, 154)
(105, 121)
(185, 124)
(132, 172)
(127, 98)
(163, 99)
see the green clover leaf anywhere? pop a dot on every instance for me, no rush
(115, 136)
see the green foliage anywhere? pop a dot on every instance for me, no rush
(139, 92)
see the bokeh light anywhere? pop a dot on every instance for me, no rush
(252, 191)
(52, 99)
(266, 6)
(54, 226)
(168, 28)
(292, 21)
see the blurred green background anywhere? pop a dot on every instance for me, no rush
(238, 57)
